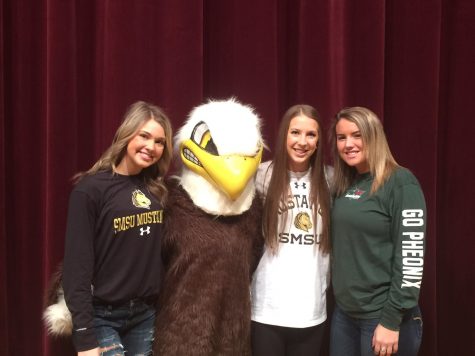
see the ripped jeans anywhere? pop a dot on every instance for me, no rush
(126, 329)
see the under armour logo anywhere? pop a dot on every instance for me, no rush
(304, 185)
(143, 231)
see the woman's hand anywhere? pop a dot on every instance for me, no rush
(92, 352)
(385, 341)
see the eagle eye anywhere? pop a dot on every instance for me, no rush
(202, 137)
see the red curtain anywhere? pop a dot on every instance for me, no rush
(69, 69)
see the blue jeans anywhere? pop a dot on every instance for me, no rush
(352, 337)
(127, 328)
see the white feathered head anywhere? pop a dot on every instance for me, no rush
(221, 147)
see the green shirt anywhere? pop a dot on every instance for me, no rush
(378, 247)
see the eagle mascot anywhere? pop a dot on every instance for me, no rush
(212, 240)
(213, 234)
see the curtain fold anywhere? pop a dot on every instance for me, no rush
(69, 69)
(3, 242)
(454, 188)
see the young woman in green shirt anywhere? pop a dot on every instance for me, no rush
(378, 227)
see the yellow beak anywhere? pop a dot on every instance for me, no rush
(229, 173)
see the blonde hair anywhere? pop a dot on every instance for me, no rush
(138, 114)
(377, 153)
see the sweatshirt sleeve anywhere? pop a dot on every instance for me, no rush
(408, 226)
(79, 267)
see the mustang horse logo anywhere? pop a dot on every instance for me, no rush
(140, 200)
(303, 222)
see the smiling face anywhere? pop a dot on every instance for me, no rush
(302, 139)
(350, 145)
(144, 149)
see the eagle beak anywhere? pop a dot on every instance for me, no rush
(229, 173)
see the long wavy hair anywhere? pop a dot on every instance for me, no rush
(278, 190)
(138, 114)
(377, 153)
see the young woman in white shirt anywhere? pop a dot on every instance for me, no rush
(290, 283)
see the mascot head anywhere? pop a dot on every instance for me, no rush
(220, 146)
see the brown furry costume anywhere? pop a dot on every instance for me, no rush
(205, 295)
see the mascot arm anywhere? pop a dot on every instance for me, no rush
(56, 316)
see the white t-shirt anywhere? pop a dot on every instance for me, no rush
(289, 288)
